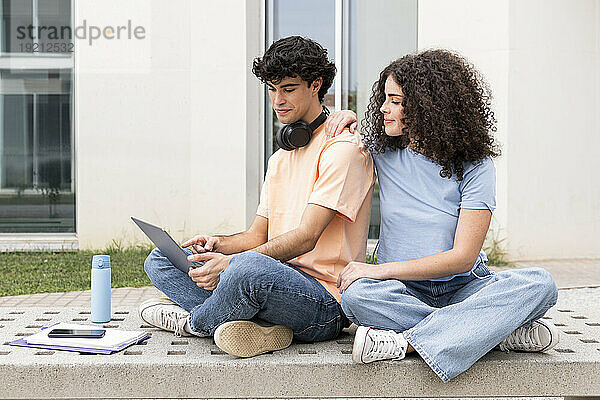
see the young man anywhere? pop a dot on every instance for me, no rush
(312, 220)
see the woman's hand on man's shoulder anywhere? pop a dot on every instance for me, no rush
(340, 120)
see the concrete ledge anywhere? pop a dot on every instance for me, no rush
(170, 367)
(38, 242)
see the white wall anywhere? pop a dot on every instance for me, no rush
(161, 124)
(542, 60)
(180, 114)
(554, 131)
(479, 31)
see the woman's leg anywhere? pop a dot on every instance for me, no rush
(387, 304)
(479, 316)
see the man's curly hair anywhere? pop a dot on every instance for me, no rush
(447, 111)
(295, 56)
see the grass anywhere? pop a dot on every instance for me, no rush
(495, 252)
(371, 259)
(47, 272)
(43, 272)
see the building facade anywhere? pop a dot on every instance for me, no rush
(149, 108)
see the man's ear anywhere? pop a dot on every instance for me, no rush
(316, 85)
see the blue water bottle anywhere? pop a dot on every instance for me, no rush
(100, 289)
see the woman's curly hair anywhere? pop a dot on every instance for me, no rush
(447, 111)
(295, 56)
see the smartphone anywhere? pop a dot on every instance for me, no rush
(77, 333)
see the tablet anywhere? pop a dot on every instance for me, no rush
(167, 246)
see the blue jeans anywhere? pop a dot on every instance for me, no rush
(452, 324)
(252, 287)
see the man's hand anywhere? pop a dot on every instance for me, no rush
(208, 275)
(338, 121)
(202, 244)
(356, 270)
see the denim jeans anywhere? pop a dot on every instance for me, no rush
(452, 324)
(252, 287)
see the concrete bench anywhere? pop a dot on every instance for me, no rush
(169, 367)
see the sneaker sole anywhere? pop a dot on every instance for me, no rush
(247, 339)
(553, 332)
(359, 344)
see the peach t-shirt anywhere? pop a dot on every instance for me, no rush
(338, 174)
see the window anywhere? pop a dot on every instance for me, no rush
(361, 37)
(30, 27)
(15, 13)
(36, 135)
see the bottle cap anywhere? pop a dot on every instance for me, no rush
(101, 262)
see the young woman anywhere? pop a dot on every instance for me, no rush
(429, 128)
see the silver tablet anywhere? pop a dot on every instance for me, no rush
(167, 246)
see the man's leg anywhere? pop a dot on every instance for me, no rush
(175, 284)
(480, 315)
(258, 286)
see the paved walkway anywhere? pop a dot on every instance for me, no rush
(127, 296)
(568, 274)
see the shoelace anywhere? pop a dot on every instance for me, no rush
(386, 345)
(170, 320)
(522, 339)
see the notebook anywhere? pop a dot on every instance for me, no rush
(114, 340)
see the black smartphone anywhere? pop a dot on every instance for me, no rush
(77, 333)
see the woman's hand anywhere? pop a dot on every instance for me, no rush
(338, 121)
(356, 270)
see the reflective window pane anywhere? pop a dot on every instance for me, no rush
(17, 164)
(371, 47)
(36, 152)
(17, 18)
(54, 25)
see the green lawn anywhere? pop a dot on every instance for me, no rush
(46, 272)
(41, 272)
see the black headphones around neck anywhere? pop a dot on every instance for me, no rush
(298, 134)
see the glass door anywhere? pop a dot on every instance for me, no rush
(361, 37)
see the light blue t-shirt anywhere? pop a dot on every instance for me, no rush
(419, 208)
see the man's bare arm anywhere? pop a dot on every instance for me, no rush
(238, 242)
(284, 247)
(302, 239)
(231, 244)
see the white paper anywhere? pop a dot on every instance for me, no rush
(114, 339)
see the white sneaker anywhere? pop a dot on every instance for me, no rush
(248, 339)
(164, 313)
(540, 336)
(377, 344)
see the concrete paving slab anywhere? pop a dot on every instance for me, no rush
(119, 297)
(169, 367)
(570, 273)
(577, 308)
